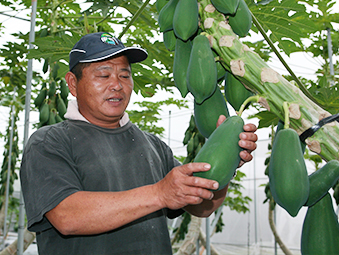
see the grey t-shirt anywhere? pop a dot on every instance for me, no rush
(73, 156)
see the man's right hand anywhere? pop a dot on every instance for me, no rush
(180, 188)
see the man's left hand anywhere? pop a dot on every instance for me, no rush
(247, 141)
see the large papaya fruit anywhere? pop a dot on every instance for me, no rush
(166, 15)
(186, 19)
(288, 176)
(160, 4)
(320, 231)
(241, 22)
(235, 91)
(221, 151)
(227, 7)
(180, 64)
(202, 70)
(207, 113)
(322, 180)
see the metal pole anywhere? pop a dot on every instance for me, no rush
(9, 166)
(21, 228)
(208, 236)
(169, 128)
(330, 52)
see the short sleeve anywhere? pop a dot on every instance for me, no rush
(48, 175)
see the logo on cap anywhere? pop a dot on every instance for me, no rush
(109, 39)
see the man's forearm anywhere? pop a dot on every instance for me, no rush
(87, 213)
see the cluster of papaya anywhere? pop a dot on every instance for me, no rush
(52, 99)
(292, 187)
(198, 70)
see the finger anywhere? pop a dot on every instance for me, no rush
(203, 183)
(221, 119)
(198, 193)
(191, 168)
(250, 127)
(248, 136)
(247, 145)
(245, 156)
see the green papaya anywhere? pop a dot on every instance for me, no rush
(180, 64)
(235, 91)
(227, 7)
(40, 97)
(207, 113)
(190, 146)
(45, 66)
(64, 90)
(51, 119)
(288, 175)
(61, 106)
(166, 15)
(169, 40)
(280, 126)
(160, 4)
(221, 151)
(51, 89)
(187, 137)
(192, 126)
(44, 113)
(202, 70)
(186, 19)
(58, 118)
(320, 231)
(322, 180)
(55, 71)
(43, 32)
(241, 22)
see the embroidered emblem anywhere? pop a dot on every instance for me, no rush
(109, 39)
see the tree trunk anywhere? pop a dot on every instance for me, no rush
(271, 87)
(285, 250)
(12, 248)
(189, 244)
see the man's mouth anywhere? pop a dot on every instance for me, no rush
(114, 99)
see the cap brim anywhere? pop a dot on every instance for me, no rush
(134, 55)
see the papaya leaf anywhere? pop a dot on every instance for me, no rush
(266, 119)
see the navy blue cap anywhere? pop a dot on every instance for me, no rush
(99, 46)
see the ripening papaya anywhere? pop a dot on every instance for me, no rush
(322, 180)
(166, 15)
(169, 40)
(221, 151)
(180, 64)
(186, 19)
(288, 175)
(227, 7)
(235, 91)
(202, 70)
(241, 22)
(207, 113)
(320, 231)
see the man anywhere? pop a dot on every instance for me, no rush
(95, 183)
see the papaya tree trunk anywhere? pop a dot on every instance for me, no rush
(272, 88)
(277, 238)
(189, 244)
(2, 217)
(12, 248)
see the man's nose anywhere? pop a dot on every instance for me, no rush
(115, 85)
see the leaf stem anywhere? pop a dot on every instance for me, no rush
(254, 98)
(135, 16)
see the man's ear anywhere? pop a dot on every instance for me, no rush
(72, 83)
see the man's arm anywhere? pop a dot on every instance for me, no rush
(86, 213)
